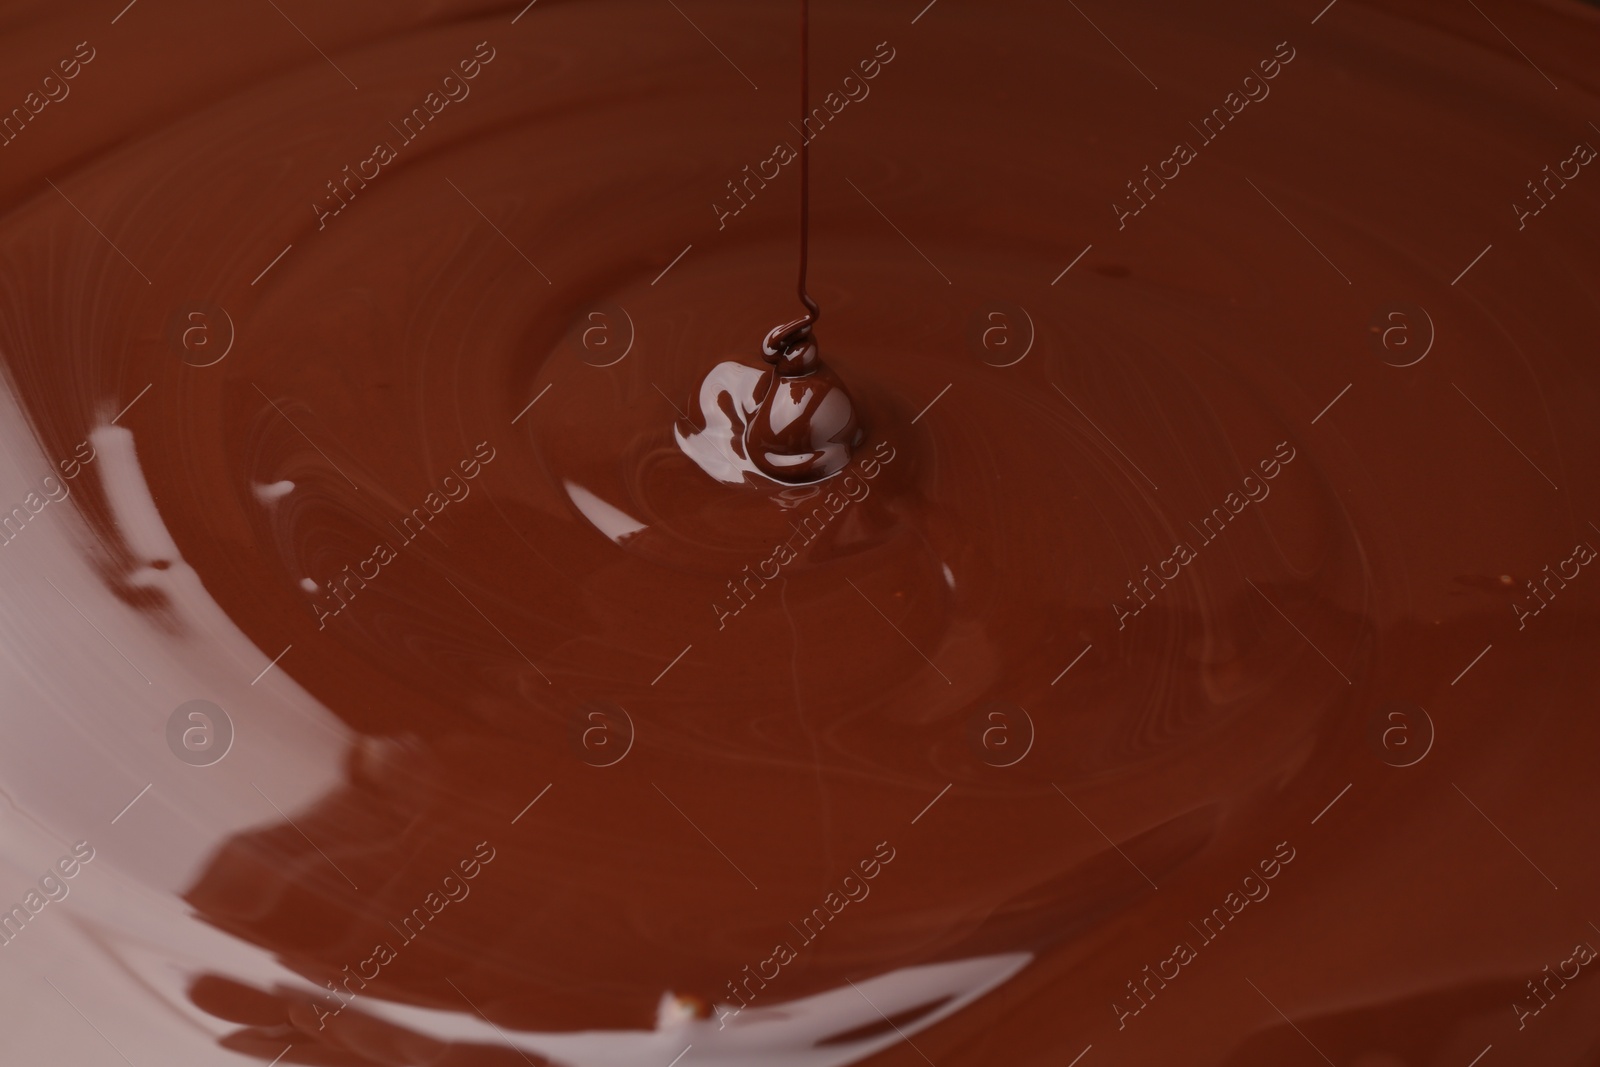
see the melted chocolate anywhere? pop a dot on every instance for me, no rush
(1171, 552)
(796, 423)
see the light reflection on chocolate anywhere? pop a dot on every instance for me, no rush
(374, 342)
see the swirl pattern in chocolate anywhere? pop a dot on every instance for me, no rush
(1223, 507)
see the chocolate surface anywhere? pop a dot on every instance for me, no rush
(1191, 663)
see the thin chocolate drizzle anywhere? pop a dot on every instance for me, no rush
(780, 338)
(795, 422)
